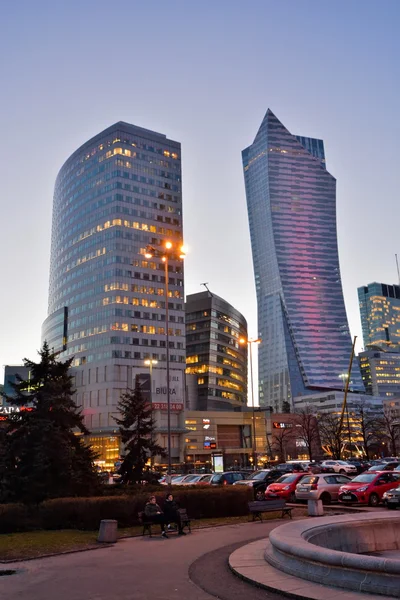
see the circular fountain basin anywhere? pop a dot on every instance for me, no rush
(338, 551)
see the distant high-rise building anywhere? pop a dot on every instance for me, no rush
(116, 194)
(380, 372)
(214, 354)
(380, 315)
(291, 200)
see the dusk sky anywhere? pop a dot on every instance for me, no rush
(203, 73)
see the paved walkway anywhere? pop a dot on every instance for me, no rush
(143, 569)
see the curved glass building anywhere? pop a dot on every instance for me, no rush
(291, 200)
(119, 192)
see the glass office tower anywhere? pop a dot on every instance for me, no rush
(116, 194)
(380, 315)
(291, 200)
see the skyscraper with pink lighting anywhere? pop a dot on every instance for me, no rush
(291, 201)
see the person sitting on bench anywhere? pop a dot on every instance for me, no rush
(154, 514)
(172, 514)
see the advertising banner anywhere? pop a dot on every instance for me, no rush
(155, 388)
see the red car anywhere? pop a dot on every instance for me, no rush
(284, 487)
(368, 488)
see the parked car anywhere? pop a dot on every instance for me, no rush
(289, 467)
(228, 477)
(340, 466)
(360, 464)
(205, 479)
(323, 487)
(388, 466)
(391, 498)
(284, 487)
(319, 468)
(259, 480)
(368, 488)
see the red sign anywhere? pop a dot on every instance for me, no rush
(176, 406)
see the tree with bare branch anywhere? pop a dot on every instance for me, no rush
(388, 429)
(280, 441)
(368, 424)
(330, 432)
(307, 429)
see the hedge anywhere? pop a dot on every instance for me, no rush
(86, 513)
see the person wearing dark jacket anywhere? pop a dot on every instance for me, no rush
(154, 514)
(171, 513)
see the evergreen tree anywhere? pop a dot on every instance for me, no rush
(136, 427)
(45, 456)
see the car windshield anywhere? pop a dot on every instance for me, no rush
(364, 478)
(216, 478)
(192, 478)
(258, 475)
(309, 480)
(342, 462)
(287, 479)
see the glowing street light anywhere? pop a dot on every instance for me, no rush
(250, 343)
(165, 253)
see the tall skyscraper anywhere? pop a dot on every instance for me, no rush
(116, 194)
(380, 315)
(214, 354)
(291, 201)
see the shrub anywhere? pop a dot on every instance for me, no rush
(86, 513)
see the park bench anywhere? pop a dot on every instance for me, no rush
(147, 523)
(258, 507)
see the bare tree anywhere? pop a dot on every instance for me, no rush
(330, 432)
(368, 424)
(280, 440)
(307, 429)
(389, 430)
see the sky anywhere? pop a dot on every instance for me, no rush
(203, 73)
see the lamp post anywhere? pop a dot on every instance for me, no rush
(165, 254)
(149, 362)
(250, 343)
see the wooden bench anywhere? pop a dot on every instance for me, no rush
(143, 520)
(147, 523)
(258, 507)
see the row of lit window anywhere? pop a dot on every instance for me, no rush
(150, 329)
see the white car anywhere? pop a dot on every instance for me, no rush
(340, 466)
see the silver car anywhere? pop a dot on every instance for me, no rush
(322, 486)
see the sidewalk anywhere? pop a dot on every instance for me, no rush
(135, 568)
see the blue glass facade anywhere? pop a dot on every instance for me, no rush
(116, 194)
(291, 200)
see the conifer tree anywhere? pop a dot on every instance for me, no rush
(45, 455)
(137, 429)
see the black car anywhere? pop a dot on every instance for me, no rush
(360, 465)
(316, 467)
(289, 468)
(260, 480)
(228, 478)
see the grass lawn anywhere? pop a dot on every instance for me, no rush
(33, 544)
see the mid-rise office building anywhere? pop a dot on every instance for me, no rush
(380, 315)
(380, 372)
(214, 354)
(116, 194)
(291, 200)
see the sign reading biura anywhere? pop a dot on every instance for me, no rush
(158, 385)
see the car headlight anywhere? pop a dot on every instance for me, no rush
(362, 489)
(385, 495)
(287, 487)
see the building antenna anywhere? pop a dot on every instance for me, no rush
(206, 286)
(398, 272)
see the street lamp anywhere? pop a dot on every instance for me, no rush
(149, 362)
(165, 253)
(250, 343)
